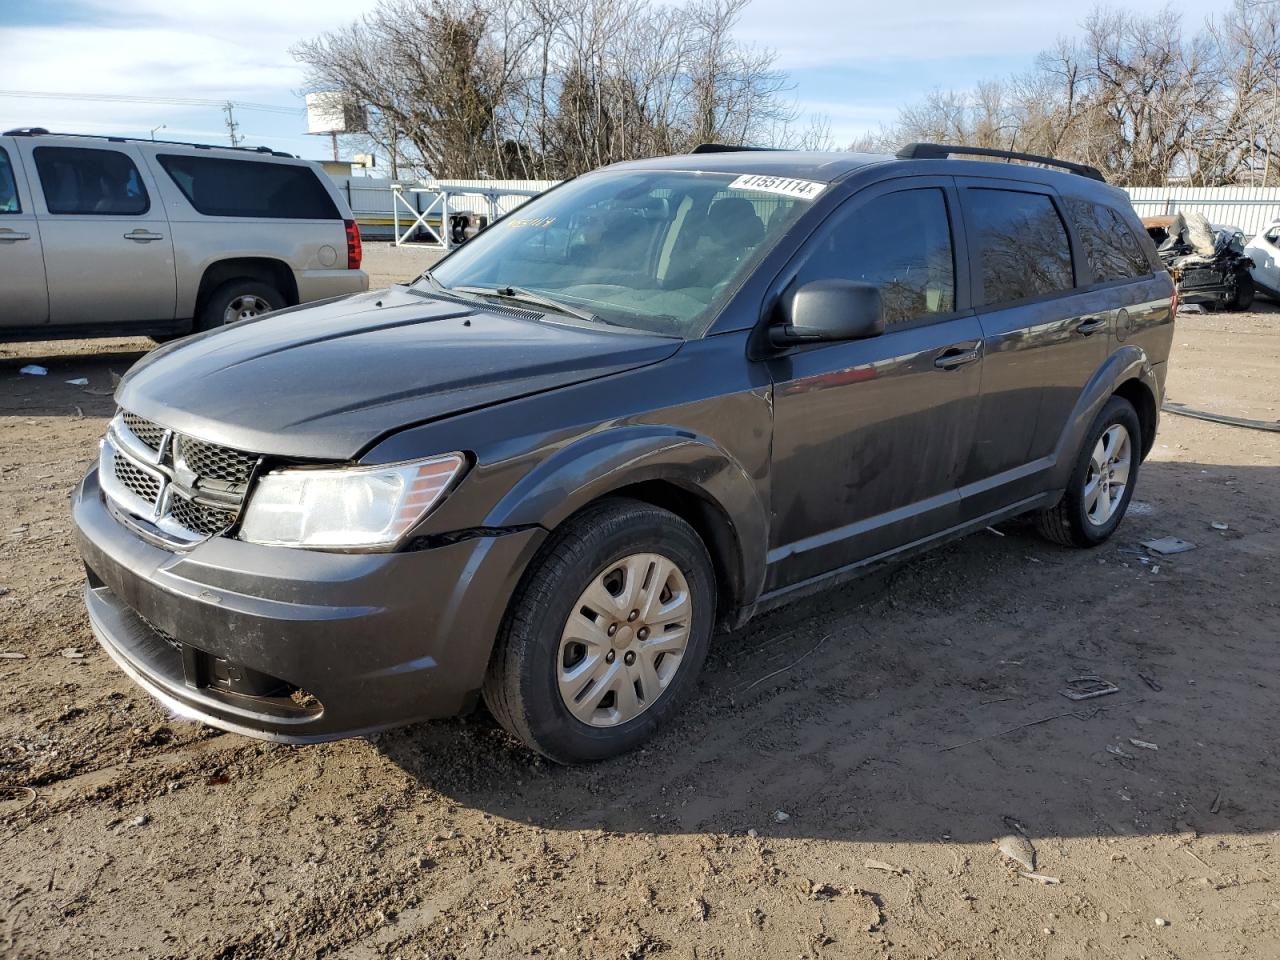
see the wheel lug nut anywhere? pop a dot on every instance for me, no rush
(632, 615)
(613, 628)
(610, 657)
(643, 634)
(629, 659)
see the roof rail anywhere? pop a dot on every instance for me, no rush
(42, 132)
(724, 148)
(940, 151)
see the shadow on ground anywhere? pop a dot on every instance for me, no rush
(927, 704)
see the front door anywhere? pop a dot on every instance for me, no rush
(870, 435)
(107, 249)
(24, 296)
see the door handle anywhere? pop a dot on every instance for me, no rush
(957, 356)
(1091, 325)
(9, 236)
(142, 235)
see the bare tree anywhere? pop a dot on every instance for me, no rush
(550, 88)
(1136, 96)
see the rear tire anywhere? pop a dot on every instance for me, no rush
(1108, 458)
(1245, 292)
(582, 671)
(239, 299)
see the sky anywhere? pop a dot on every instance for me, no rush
(853, 62)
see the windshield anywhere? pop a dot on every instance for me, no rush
(650, 250)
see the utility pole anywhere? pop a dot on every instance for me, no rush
(232, 126)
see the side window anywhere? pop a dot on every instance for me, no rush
(1020, 244)
(8, 186)
(1110, 246)
(79, 180)
(218, 187)
(900, 241)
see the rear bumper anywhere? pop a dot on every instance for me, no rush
(297, 645)
(323, 284)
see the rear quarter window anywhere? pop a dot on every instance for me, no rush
(1112, 248)
(219, 187)
(1020, 244)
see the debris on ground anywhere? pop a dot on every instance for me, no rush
(1217, 803)
(9, 655)
(1039, 877)
(79, 382)
(781, 816)
(140, 821)
(881, 865)
(1168, 545)
(1143, 744)
(1161, 922)
(1150, 681)
(1018, 849)
(34, 370)
(1219, 525)
(1119, 752)
(72, 653)
(1088, 687)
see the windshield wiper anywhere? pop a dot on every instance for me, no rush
(520, 294)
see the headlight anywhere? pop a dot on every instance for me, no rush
(346, 507)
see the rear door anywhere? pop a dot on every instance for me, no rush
(870, 435)
(24, 295)
(1043, 339)
(107, 250)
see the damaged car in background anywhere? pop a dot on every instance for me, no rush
(1207, 261)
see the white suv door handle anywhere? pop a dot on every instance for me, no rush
(9, 236)
(142, 235)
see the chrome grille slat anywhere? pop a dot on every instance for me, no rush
(149, 433)
(213, 461)
(157, 477)
(142, 483)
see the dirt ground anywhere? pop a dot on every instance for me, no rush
(834, 791)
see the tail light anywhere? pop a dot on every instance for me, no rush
(355, 251)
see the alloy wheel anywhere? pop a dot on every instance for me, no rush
(245, 307)
(1108, 474)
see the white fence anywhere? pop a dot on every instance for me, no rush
(385, 208)
(1249, 208)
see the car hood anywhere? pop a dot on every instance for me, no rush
(325, 381)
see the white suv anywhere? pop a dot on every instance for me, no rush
(110, 235)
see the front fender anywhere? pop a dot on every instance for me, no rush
(610, 460)
(1130, 362)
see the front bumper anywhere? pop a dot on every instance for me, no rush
(297, 645)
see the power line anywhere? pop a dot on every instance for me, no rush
(168, 101)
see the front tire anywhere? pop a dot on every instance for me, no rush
(606, 634)
(1245, 292)
(1101, 483)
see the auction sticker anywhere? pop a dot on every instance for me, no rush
(787, 186)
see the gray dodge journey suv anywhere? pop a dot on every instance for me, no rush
(658, 398)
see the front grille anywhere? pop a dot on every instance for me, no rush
(208, 460)
(191, 488)
(149, 433)
(142, 483)
(199, 517)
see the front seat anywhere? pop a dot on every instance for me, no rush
(729, 234)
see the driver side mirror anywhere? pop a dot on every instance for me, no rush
(825, 311)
